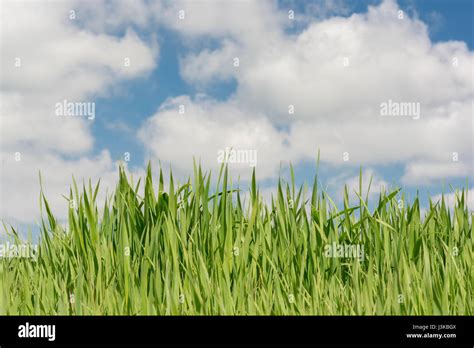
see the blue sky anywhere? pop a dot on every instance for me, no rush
(446, 20)
(282, 62)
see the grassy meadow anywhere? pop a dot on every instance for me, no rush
(200, 248)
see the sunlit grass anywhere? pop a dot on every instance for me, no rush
(193, 249)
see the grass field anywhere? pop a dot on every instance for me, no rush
(198, 249)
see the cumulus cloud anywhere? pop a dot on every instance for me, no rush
(369, 177)
(204, 127)
(239, 20)
(423, 173)
(47, 57)
(451, 199)
(336, 74)
(21, 195)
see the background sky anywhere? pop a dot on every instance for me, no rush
(335, 62)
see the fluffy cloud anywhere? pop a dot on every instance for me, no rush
(239, 20)
(206, 127)
(423, 172)
(377, 185)
(21, 195)
(336, 73)
(385, 140)
(47, 57)
(451, 199)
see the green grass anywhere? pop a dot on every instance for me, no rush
(197, 249)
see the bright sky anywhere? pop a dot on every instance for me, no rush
(170, 81)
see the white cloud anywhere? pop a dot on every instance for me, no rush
(59, 59)
(240, 20)
(207, 126)
(452, 198)
(369, 176)
(317, 10)
(423, 173)
(337, 107)
(379, 140)
(108, 16)
(208, 67)
(388, 58)
(20, 201)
